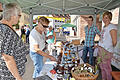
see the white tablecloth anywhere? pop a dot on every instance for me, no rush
(46, 69)
(116, 60)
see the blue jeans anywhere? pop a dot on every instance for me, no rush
(38, 63)
(85, 52)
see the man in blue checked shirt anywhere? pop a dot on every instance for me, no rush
(90, 33)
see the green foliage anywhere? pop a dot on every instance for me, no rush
(99, 59)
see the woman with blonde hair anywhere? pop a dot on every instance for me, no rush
(12, 49)
(106, 45)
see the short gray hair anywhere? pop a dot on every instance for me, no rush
(11, 9)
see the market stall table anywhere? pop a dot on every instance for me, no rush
(48, 66)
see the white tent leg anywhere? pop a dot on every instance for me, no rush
(118, 32)
(119, 18)
(95, 16)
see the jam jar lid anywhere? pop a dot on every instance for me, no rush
(61, 65)
(59, 76)
(70, 65)
(69, 62)
(59, 71)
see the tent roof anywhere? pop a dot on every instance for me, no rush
(68, 25)
(76, 7)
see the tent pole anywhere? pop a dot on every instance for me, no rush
(31, 19)
(95, 16)
(118, 32)
(119, 20)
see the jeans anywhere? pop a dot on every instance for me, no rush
(85, 52)
(38, 63)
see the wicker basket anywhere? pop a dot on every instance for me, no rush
(84, 75)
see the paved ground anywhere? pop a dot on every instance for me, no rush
(29, 69)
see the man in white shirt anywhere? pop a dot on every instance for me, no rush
(37, 46)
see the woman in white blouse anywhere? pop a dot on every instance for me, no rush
(106, 45)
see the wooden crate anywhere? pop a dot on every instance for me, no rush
(76, 42)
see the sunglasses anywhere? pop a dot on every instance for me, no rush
(44, 26)
(19, 15)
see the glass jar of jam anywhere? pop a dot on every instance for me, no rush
(70, 66)
(59, 77)
(66, 67)
(61, 66)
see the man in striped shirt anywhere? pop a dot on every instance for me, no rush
(90, 33)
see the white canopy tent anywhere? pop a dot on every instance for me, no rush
(76, 7)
